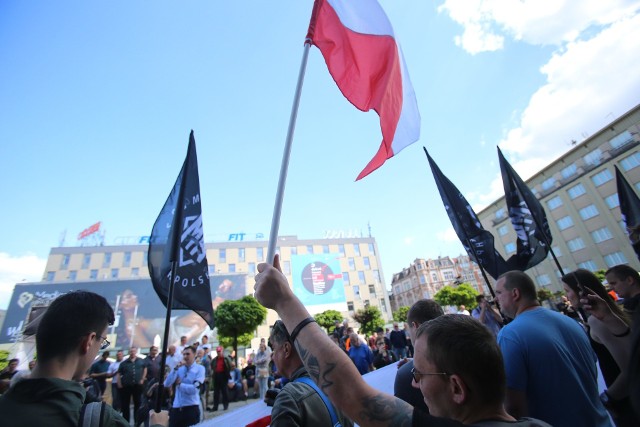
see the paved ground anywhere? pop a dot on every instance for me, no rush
(232, 405)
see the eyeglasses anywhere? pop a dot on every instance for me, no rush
(417, 375)
(105, 342)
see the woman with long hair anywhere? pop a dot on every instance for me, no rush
(613, 351)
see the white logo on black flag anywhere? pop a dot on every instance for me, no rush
(178, 236)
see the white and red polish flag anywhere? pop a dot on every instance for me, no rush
(363, 56)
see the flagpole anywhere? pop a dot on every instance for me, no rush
(277, 209)
(484, 274)
(165, 340)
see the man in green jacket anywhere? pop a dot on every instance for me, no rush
(70, 334)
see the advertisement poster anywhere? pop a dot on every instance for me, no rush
(317, 281)
(140, 316)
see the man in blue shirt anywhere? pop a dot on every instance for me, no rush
(360, 354)
(187, 376)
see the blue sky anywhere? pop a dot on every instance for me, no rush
(97, 100)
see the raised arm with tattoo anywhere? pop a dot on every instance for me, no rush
(326, 363)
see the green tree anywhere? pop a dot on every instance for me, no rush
(369, 319)
(401, 314)
(244, 340)
(463, 294)
(4, 359)
(235, 318)
(600, 274)
(328, 318)
(544, 295)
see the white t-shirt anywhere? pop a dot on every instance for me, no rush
(113, 368)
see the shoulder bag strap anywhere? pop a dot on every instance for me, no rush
(334, 418)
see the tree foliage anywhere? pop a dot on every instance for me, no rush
(600, 275)
(544, 294)
(463, 294)
(401, 314)
(328, 318)
(369, 319)
(4, 359)
(244, 340)
(234, 318)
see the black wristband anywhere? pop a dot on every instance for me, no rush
(298, 328)
(624, 334)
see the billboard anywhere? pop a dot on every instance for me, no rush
(140, 316)
(317, 281)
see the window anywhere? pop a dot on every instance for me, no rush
(423, 279)
(73, 274)
(350, 305)
(615, 259)
(361, 276)
(212, 269)
(383, 305)
(309, 249)
(93, 274)
(352, 264)
(554, 202)
(503, 230)
(366, 303)
(107, 260)
(114, 273)
(241, 254)
(341, 249)
(569, 171)
(232, 268)
(601, 234)
(630, 162)
(356, 290)
(222, 255)
(543, 280)
(575, 244)
(50, 276)
(564, 223)
(434, 277)
(345, 278)
(135, 272)
(65, 262)
(593, 158)
(294, 250)
(548, 183)
(260, 254)
(372, 290)
(356, 249)
(588, 212)
(448, 275)
(576, 191)
(86, 260)
(127, 259)
(622, 139)
(252, 268)
(286, 267)
(325, 249)
(145, 258)
(500, 213)
(612, 201)
(367, 264)
(376, 276)
(588, 265)
(602, 177)
(509, 248)
(372, 249)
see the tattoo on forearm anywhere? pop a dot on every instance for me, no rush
(385, 408)
(314, 369)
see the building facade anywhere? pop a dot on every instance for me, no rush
(578, 192)
(358, 257)
(425, 277)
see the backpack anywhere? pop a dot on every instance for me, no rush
(334, 418)
(91, 414)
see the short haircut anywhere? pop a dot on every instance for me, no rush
(69, 318)
(451, 339)
(521, 281)
(189, 347)
(105, 354)
(279, 334)
(14, 361)
(423, 311)
(479, 298)
(623, 271)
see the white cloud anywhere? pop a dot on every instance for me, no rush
(14, 270)
(486, 23)
(589, 83)
(408, 241)
(449, 235)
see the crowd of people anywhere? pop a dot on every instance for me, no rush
(509, 362)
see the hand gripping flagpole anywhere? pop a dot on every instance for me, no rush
(277, 209)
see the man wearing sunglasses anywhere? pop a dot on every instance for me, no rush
(457, 366)
(70, 335)
(297, 404)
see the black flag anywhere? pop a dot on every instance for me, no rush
(477, 241)
(528, 219)
(178, 236)
(630, 210)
